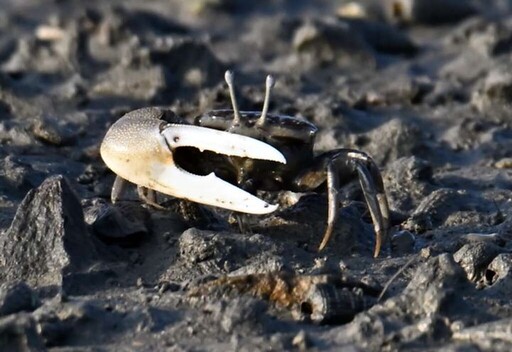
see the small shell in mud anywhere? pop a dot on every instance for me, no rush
(403, 242)
(311, 298)
(326, 303)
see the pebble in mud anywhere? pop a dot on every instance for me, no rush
(329, 43)
(498, 275)
(485, 37)
(383, 37)
(123, 223)
(182, 55)
(196, 215)
(240, 310)
(445, 207)
(17, 297)
(474, 258)
(487, 335)
(408, 180)
(18, 176)
(211, 253)
(301, 341)
(393, 140)
(141, 83)
(18, 332)
(492, 97)
(402, 242)
(49, 131)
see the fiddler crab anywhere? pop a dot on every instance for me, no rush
(227, 155)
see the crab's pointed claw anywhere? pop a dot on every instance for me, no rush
(140, 150)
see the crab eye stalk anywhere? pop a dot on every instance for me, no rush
(269, 84)
(229, 76)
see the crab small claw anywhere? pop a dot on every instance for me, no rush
(140, 150)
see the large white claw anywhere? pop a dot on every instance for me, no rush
(140, 151)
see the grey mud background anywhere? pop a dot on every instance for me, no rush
(423, 86)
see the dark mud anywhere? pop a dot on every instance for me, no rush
(425, 87)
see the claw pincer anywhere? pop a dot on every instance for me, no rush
(139, 148)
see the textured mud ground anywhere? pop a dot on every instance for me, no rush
(427, 93)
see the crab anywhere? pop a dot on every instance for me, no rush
(225, 156)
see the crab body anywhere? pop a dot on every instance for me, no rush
(293, 137)
(228, 155)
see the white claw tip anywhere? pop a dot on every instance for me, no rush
(269, 208)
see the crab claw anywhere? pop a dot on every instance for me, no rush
(140, 150)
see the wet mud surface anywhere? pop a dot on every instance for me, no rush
(425, 87)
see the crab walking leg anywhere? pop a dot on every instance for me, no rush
(332, 206)
(374, 193)
(380, 195)
(148, 196)
(118, 189)
(375, 205)
(340, 166)
(140, 151)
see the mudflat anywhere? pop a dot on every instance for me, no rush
(424, 87)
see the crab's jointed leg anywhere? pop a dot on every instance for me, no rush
(338, 167)
(140, 150)
(118, 188)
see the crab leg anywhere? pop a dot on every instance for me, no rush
(340, 166)
(346, 163)
(373, 191)
(332, 204)
(140, 150)
(118, 188)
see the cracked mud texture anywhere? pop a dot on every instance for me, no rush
(423, 86)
